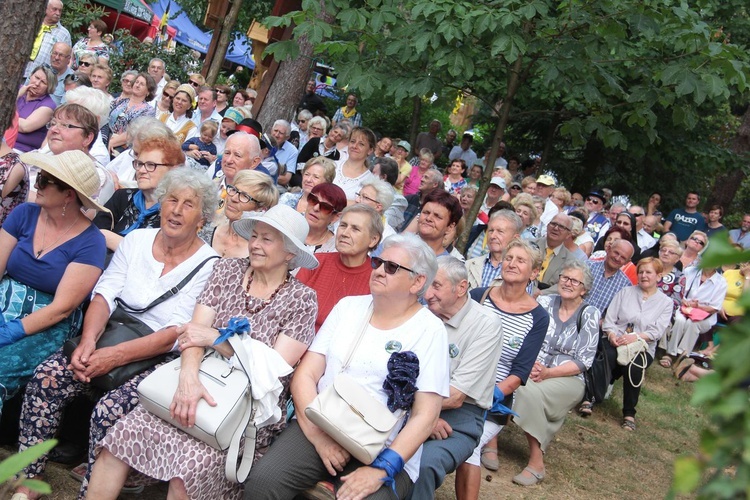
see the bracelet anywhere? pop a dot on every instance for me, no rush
(392, 463)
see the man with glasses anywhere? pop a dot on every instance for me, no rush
(156, 69)
(683, 221)
(611, 214)
(556, 256)
(50, 33)
(594, 203)
(645, 240)
(59, 62)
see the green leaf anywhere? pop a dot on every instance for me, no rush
(38, 486)
(687, 474)
(15, 463)
(720, 252)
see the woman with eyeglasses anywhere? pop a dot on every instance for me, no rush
(671, 281)
(45, 248)
(525, 324)
(179, 120)
(702, 297)
(556, 383)
(695, 245)
(316, 171)
(164, 103)
(91, 44)
(324, 205)
(251, 191)
(132, 209)
(123, 110)
(395, 329)
(35, 107)
(126, 81)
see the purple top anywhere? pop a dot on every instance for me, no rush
(32, 140)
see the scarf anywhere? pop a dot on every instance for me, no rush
(38, 40)
(140, 204)
(348, 114)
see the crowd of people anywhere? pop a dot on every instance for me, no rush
(169, 206)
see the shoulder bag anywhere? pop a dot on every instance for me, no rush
(348, 413)
(122, 327)
(221, 426)
(598, 376)
(627, 355)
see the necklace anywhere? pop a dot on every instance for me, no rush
(44, 236)
(264, 303)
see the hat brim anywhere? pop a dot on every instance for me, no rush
(597, 195)
(244, 227)
(45, 163)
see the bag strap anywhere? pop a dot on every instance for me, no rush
(485, 294)
(238, 472)
(355, 344)
(169, 293)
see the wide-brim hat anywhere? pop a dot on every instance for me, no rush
(74, 168)
(546, 180)
(288, 222)
(188, 89)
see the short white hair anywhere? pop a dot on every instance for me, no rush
(384, 193)
(422, 258)
(285, 124)
(92, 99)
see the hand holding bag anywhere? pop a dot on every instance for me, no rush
(627, 354)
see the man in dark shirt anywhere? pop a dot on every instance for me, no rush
(312, 101)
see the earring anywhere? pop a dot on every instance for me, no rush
(64, 207)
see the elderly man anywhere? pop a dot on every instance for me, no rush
(474, 345)
(50, 33)
(594, 203)
(432, 179)
(157, 68)
(284, 156)
(60, 61)
(241, 152)
(464, 151)
(348, 112)
(450, 139)
(439, 215)
(495, 192)
(545, 186)
(741, 236)
(206, 107)
(554, 252)
(483, 271)
(608, 277)
(645, 240)
(429, 140)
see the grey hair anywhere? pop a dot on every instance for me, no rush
(254, 146)
(185, 177)
(160, 60)
(383, 192)
(705, 237)
(577, 265)
(128, 72)
(285, 124)
(617, 204)
(421, 257)
(437, 178)
(470, 187)
(454, 269)
(318, 120)
(509, 216)
(92, 99)
(532, 251)
(376, 221)
(305, 113)
(673, 245)
(148, 127)
(49, 75)
(576, 227)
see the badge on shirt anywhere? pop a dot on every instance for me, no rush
(453, 350)
(392, 346)
(515, 341)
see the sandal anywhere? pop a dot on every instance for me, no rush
(492, 464)
(586, 409)
(628, 424)
(682, 367)
(536, 477)
(666, 361)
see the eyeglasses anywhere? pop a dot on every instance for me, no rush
(42, 181)
(558, 226)
(595, 201)
(58, 54)
(148, 165)
(638, 215)
(243, 196)
(664, 251)
(85, 64)
(568, 279)
(302, 121)
(698, 240)
(55, 123)
(389, 266)
(194, 84)
(360, 195)
(167, 96)
(317, 129)
(127, 81)
(72, 78)
(221, 91)
(515, 187)
(325, 207)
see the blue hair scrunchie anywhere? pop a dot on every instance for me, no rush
(235, 326)
(401, 383)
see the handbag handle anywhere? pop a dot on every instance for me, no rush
(169, 293)
(234, 472)
(355, 344)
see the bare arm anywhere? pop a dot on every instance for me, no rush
(35, 120)
(667, 224)
(116, 140)
(455, 400)
(112, 239)
(14, 179)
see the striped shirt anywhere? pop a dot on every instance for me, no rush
(604, 288)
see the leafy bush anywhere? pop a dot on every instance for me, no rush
(14, 464)
(77, 14)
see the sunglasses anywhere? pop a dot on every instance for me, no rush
(85, 64)
(389, 266)
(698, 240)
(243, 196)
(42, 181)
(221, 91)
(194, 84)
(515, 187)
(303, 121)
(324, 206)
(595, 201)
(167, 96)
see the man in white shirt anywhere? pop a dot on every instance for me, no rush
(545, 186)
(156, 69)
(645, 240)
(206, 107)
(464, 150)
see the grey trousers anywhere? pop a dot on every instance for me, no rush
(292, 466)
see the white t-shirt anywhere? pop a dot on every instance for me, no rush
(423, 334)
(350, 185)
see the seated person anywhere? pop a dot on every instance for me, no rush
(201, 148)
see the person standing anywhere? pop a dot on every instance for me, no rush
(312, 101)
(156, 69)
(464, 150)
(429, 140)
(683, 221)
(348, 112)
(49, 34)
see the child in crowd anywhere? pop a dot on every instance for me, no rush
(202, 148)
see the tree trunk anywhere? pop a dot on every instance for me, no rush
(16, 17)
(221, 50)
(416, 116)
(727, 184)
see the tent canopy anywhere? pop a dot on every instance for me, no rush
(133, 8)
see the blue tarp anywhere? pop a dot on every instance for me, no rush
(190, 35)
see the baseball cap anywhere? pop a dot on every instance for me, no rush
(499, 182)
(546, 180)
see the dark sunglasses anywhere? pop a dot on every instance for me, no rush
(515, 187)
(42, 181)
(221, 91)
(595, 201)
(84, 63)
(324, 206)
(194, 84)
(698, 240)
(165, 95)
(389, 266)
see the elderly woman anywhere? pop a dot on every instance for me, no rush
(180, 120)
(525, 324)
(35, 107)
(148, 263)
(140, 129)
(319, 144)
(91, 44)
(346, 271)
(695, 245)
(101, 77)
(378, 195)
(47, 247)
(164, 104)
(304, 454)
(324, 205)
(556, 382)
(454, 179)
(466, 197)
(124, 110)
(126, 81)
(704, 291)
(671, 282)
(353, 171)
(14, 181)
(281, 312)
(132, 209)
(85, 64)
(561, 198)
(252, 191)
(303, 125)
(635, 312)
(411, 183)
(317, 170)
(525, 208)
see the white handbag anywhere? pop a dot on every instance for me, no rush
(221, 426)
(350, 415)
(627, 354)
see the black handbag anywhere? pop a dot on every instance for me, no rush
(122, 327)
(598, 376)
